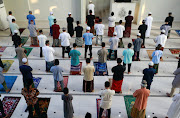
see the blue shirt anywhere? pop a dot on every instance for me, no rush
(128, 53)
(57, 73)
(31, 17)
(148, 75)
(88, 38)
(156, 56)
(26, 72)
(51, 20)
(74, 57)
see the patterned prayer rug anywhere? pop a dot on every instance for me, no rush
(28, 51)
(129, 102)
(175, 51)
(65, 81)
(9, 82)
(7, 64)
(43, 105)
(104, 114)
(149, 52)
(9, 105)
(76, 70)
(100, 69)
(112, 55)
(2, 48)
(24, 39)
(21, 30)
(178, 32)
(36, 81)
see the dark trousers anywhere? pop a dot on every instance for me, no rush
(65, 48)
(148, 86)
(101, 111)
(179, 62)
(136, 56)
(129, 67)
(115, 54)
(90, 50)
(36, 108)
(41, 55)
(51, 31)
(2, 109)
(156, 66)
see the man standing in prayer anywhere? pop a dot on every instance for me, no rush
(175, 83)
(178, 61)
(31, 17)
(42, 39)
(106, 99)
(128, 53)
(57, 74)
(88, 80)
(141, 95)
(51, 22)
(99, 31)
(166, 27)
(161, 39)
(113, 45)
(118, 76)
(9, 19)
(91, 7)
(88, 37)
(111, 20)
(149, 20)
(137, 46)
(64, 38)
(79, 39)
(142, 30)
(16, 38)
(149, 74)
(74, 54)
(90, 21)
(170, 19)
(13, 26)
(70, 21)
(102, 54)
(120, 29)
(128, 24)
(33, 33)
(55, 28)
(48, 53)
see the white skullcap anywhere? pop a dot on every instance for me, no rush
(150, 13)
(151, 63)
(88, 28)
(163, 31)
(69, 13)
(51, 13)
(15, 31)
(144, 83)
(24, 60)
(115, 33)
(138, 34)
(63, 28)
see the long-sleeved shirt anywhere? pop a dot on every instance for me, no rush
(57, 73)
(88, 72)
(48, 53)
(165, 27)
(14, 26)
(113, 43)
(99, 29)
(102, 55)
(119, 29)
(74, 57)
(112, 20)
(128, 53)
(161, 39)
(51, 20)
(170, 20)
(156, 55)
(149, 74)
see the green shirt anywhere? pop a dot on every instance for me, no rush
(128, 53)
(74, 57)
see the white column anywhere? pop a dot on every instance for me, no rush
(141, 11)
(83, 11)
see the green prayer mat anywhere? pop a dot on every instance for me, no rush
(7, 64)
(24, 39)
(28, 51)
(121, 44)
(129, 102)
(112, 55)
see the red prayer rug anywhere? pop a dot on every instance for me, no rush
(65, 81)
(21, 30)
(175, 51)
(105, 113)
(9, 105)
(76, 70)
(2, 49)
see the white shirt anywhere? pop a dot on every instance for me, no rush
(119, 29)
(91, 7)
(161, 39)
(106, 98)
(42, 39)
(149, 21)
(9, 18)
(114, 43)
(48, 53)
(99, 29)
(65, 37)
(112, 20)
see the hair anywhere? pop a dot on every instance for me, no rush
(100, 20)
(13, 20)
(107, 84)
(88, 60)
(90, 11)
(88, 115)
(40, 31)
(55, 21)
(143, 21)
(10, 12)
(19, 43)
(1, 63)
(74, 45)
(103, 44)
(66, 90)
(63, 29)
(119, 60)
(30, 11)
(112, 13)
(129, 12)
(170, 13)
(56, 62)
(120, 21)
(47, 42)
(129, 45)
(77, 22)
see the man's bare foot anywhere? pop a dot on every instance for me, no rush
(168, 95)
(91, 58)
(7, 90)
(129, 72)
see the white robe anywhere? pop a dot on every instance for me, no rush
(161, 39)
(174, 110)
(119, 29)
(149, 20)
(91, 7)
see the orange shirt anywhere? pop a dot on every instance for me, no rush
(141, 96)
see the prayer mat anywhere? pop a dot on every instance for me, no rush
(24, 40)
(7, 64)
(178, 32)
(2, 49)
(28, 51)
(21, 30)
(129, 102)
(34, 45)
(100, 68)
(9, 105)
(65, 81)
(112, 55)
(9, 82)
(76, 70)
(127, 32)
(149, 52)
(105, 113)
(175, 51)
(121, 44)
(36, 81)
(43, 105)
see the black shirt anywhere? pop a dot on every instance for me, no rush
(16, 39)
(26, 72)
(79, 30)
(170, 20)
(118, 72)
(90, 20)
